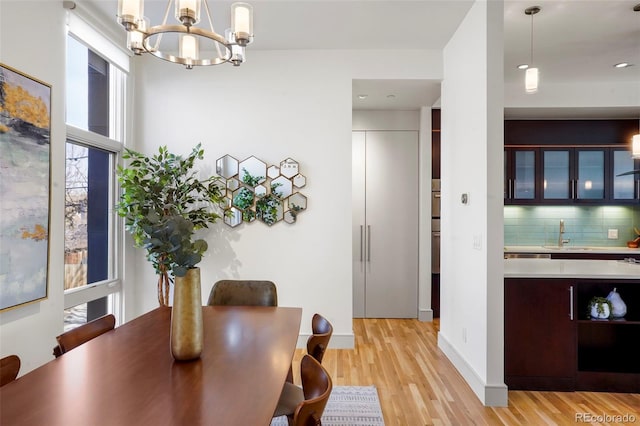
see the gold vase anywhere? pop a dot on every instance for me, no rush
(186, 317)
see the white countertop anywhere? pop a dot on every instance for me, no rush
(558, 268)
(570, 249)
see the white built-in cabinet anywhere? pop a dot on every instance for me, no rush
(385, 224)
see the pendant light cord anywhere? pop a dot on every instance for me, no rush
(531, 62)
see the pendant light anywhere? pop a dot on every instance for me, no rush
(531, 75)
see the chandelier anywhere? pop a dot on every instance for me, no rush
(183, 42)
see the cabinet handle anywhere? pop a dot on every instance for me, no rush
(510, 194)
(573, 188)
(368, 243)
(571, 303)
(361, 243)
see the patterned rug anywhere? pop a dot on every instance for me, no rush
(349, 406)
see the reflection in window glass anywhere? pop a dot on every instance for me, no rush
(622, 185)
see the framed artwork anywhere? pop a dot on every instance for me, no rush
(25, 127)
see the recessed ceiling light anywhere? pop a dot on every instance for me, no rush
(362, 96)
(622, 65)
(523, 66)
(391, 96)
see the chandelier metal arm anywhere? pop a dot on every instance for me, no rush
(161, 29)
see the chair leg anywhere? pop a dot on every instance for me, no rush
(290, 374)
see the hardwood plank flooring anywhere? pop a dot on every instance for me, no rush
(418, 385)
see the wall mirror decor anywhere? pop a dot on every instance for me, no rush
(257, 192)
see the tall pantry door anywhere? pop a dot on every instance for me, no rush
(385, 224)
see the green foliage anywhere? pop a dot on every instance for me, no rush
(267, 206)
(250, 180)
(164, 203)
(243, 198)
(599, 302)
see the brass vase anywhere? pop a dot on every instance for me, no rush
(186, 317)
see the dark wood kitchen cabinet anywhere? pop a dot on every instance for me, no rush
(539, 334)
(570, 162)
(551, 343)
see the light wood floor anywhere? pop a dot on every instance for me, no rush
(419, 386)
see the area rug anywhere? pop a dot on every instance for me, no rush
(349, 406)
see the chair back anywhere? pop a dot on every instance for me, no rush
(9, 368)
(319, 340)
(243, 293)
(83, 333)
(316, 385)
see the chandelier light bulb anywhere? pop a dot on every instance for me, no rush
(242, 22)
(188, 12)
(130, 12)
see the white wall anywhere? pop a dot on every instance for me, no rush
(471, 331)
(30, 331)
(279, 104)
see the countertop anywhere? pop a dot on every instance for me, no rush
(570, 249)
(560, 268)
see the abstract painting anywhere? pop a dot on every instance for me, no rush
(25, 125)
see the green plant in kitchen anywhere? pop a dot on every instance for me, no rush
(163, 203)
(599, 307)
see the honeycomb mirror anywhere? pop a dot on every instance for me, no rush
(258, 192)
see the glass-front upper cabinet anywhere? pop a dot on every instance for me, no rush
(573, 174)
(589, 181)
(625, 186)
(520, 175)
(556, 179)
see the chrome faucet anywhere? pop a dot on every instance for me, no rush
(561, 241)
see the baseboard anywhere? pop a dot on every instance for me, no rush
(338, 341)
(425, 315)
(490, 395)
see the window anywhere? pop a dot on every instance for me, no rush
(95, 91)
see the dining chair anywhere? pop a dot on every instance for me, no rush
(9, 368)
(243, 293)
(317, 343)
(83, 333)
(304, 406)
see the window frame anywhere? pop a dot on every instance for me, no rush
(118, 61)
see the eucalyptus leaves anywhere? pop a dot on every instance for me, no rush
(164, 203)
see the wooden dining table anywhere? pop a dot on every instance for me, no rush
(127, 377)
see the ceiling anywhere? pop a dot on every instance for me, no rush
(574, 40)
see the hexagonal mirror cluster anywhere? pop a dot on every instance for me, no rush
(257, 192)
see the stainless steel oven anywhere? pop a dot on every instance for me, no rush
(435, 198)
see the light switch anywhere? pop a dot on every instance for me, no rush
(612, 234)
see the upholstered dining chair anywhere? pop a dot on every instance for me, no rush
(84, 333)
(9, 368)
(243, 293)
(304, 406)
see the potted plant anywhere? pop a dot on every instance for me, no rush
(163, 203)
(599, 307)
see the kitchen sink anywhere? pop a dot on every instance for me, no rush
(567, 248)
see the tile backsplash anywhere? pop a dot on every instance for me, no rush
(584, 225)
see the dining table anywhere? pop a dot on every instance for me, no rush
(128, 377)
